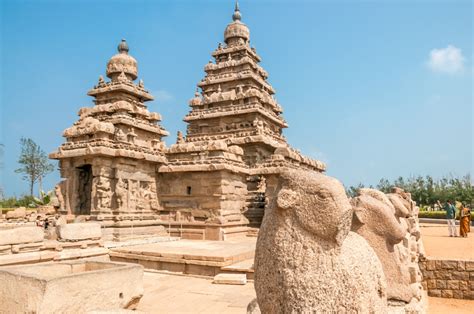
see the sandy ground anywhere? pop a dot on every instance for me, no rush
(182, 294)
(439, 244)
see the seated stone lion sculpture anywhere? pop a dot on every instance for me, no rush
(306, 259)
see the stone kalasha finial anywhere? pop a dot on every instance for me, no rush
(122, 63)
(236, 16)
(123, 47)
(236, 29)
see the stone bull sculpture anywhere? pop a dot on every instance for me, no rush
(307, 259)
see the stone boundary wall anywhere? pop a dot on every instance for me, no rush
(448, 278)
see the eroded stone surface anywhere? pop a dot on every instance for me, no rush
(70, 287)
(21, 235)
(306, 258)
(79, 231)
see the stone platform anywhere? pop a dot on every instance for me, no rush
(204, 258)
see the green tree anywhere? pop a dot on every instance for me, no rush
(34, 163)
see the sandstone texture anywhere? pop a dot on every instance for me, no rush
(79, 231)
(21, 235)
(307, 260)
(70, 287)
(230, 279)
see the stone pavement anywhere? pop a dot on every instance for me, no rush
(166, 293)
(183, 294)
(439, 244)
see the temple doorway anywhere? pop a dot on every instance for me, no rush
(84, 190)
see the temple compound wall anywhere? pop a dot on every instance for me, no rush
(211, 183)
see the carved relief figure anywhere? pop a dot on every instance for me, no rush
(133, 195)
(120, 135)
(103, 193)
(121, 193)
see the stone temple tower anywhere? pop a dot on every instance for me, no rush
(112, 151)
(236, 103)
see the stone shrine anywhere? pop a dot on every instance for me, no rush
(211, 183)
(111, 154)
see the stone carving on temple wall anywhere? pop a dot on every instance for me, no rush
(131, 136)
(89, 125)
(120, 135)
(180, 138)
(58, 191)
(121, 193)
(307, 260)
(103, 193)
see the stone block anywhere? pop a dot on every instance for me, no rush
(70, 287)
(471, 285)
(447, 294)
(429, 265)
(460, 275)
(469, 295)
(470, 266)
(79, 231)
(452, 284)
(5, 249)
(428, 275)
(18, 213)
(21, 235)
(443, 274)
(461, 265)
(230, 279)
(448, 264)
(431, 284)
(441, 284)
(458, 294)
(463, 285)
(434, 293)
(27, 247)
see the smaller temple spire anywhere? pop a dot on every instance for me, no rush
(123, 47)
(236, 16)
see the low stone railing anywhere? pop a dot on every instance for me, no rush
(448, 278)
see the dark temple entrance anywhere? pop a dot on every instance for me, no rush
(84, 190)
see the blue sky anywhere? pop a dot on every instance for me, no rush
(373, 88)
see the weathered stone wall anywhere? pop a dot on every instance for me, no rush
(448, 278)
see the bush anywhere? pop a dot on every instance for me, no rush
(13, 202)
(440, 214)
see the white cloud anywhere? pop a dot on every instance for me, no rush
(446, 60)
(162, 96)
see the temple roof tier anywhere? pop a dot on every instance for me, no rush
(230, 77)
(126, 86)
(226, 50)
(120, 106)
(104, 148)
(202, 115)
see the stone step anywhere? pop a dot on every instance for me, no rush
(230, 279)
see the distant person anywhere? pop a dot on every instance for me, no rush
(464, 214)
(451, 218)
(46, 224)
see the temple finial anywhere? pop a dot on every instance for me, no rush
(236, 16)
(123, 46)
